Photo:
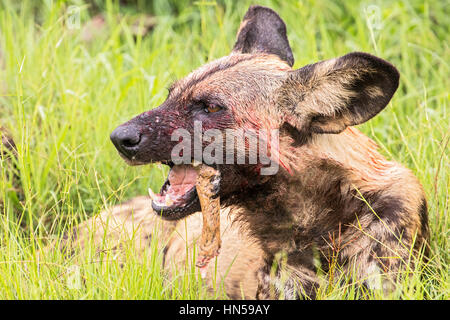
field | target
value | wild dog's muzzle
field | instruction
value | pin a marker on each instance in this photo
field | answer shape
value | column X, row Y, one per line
column 146, row 139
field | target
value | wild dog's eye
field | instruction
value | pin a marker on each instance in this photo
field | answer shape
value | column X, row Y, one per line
column 212, row 108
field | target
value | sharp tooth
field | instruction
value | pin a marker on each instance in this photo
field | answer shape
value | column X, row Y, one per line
column 196, row 163
column 152, row 194
column 168, row 201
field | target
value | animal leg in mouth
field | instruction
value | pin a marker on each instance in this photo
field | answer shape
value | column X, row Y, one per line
column 207, row 186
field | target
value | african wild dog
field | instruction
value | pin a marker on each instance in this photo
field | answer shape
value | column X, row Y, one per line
column 333, row 192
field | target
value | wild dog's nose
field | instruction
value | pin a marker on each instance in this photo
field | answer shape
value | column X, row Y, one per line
column 126, row 139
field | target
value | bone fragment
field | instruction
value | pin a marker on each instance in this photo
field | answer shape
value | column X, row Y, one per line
column 207, row 186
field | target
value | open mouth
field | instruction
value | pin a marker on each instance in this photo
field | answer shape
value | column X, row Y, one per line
column 178, row 196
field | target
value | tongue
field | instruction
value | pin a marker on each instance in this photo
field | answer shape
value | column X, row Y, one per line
column 182, row 178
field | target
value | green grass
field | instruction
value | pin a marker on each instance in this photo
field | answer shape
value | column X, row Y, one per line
column 61, row 97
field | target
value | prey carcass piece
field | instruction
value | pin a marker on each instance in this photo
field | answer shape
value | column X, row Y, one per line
column 207, row 186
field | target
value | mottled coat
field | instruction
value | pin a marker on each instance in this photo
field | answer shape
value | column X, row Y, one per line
column 334, row 193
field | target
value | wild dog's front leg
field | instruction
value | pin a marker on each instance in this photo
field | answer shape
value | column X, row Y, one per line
column 376, row 253
column 280, row 279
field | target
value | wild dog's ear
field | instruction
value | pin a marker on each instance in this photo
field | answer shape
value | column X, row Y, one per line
column 262, row 30
column 328, row 96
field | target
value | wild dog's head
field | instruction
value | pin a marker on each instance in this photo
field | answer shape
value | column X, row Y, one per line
column 255, row 89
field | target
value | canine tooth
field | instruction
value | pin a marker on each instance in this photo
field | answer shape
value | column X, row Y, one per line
column 168, row 201
column 152, row 194
column 196, row 163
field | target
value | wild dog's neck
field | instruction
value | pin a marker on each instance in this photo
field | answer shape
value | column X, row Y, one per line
column 326, row 167
column 324, row 174
column 331, row 165
column 349, row 157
